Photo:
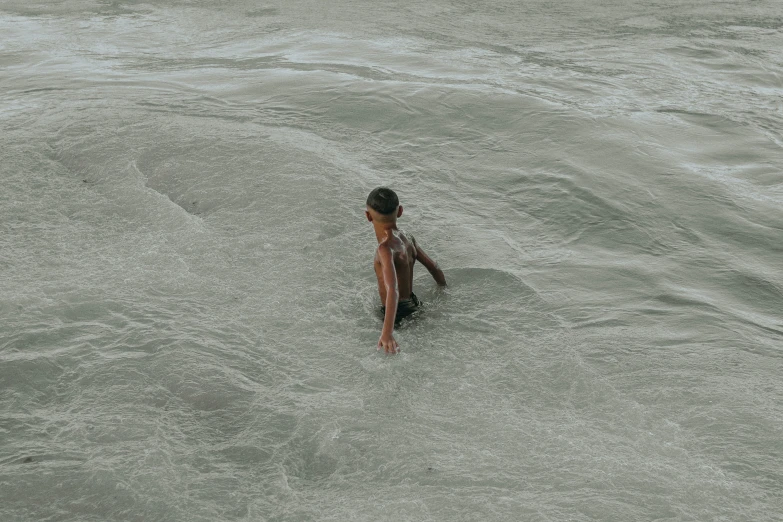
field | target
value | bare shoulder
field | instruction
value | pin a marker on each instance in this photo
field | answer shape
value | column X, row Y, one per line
column 409, row 243
column 384, row 251
column 407, row 238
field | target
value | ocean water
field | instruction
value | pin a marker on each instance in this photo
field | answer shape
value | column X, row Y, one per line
column 188, row 312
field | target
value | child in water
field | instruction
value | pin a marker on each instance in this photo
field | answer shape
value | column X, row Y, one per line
column 394, row 261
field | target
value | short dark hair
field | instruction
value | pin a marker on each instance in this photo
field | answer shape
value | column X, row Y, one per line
column 383, row 200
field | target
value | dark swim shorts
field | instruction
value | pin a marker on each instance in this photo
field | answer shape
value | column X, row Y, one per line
column 405, row 307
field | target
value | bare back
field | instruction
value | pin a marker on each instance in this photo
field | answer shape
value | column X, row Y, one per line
column 404, row 255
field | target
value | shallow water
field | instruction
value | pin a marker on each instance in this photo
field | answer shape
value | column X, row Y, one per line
column 188, row 310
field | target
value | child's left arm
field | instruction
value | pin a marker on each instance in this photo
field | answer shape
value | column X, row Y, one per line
column 386, row 258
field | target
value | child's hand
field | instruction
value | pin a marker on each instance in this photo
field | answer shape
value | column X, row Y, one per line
column 388, row 344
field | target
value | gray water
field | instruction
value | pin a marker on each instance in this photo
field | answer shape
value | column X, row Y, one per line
column 188, row 313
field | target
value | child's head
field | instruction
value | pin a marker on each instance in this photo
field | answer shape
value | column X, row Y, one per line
column 383, row 205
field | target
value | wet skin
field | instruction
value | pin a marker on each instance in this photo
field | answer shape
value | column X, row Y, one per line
column 394, row 261
column 403, row 257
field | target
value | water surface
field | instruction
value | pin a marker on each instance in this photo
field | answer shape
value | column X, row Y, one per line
column 188, row 309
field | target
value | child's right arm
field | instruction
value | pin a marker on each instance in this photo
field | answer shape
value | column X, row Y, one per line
column 430, row 264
